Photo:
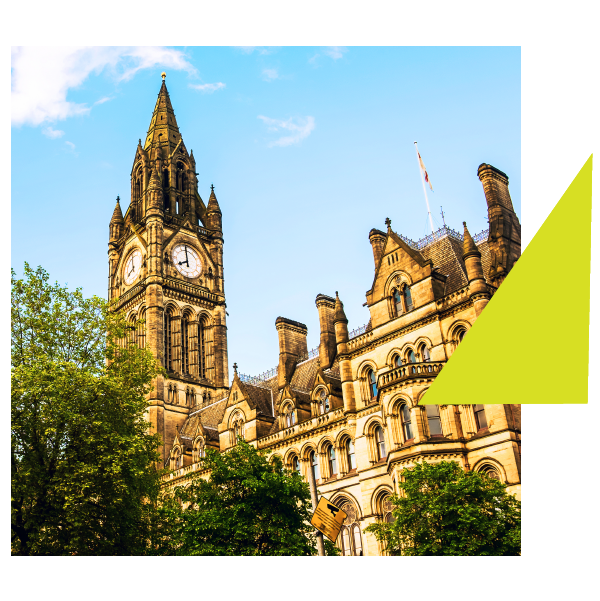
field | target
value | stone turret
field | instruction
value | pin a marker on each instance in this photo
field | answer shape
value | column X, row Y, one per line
column 116, row 223
column 213, row 212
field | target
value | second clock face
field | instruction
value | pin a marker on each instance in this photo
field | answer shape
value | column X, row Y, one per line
column 187, row 261
column 132, row 267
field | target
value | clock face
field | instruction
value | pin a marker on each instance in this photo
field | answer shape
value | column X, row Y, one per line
column 132, row 267
column 187, row 261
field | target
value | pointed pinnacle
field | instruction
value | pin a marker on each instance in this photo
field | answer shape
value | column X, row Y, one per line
column 469, row 246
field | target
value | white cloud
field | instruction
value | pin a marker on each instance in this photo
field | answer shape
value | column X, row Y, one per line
column 259, row 49
column 270, row 74
column 103, row 100
column 300, row 128
column 71, row 147
column 52, row 133
column 335, row 52
column 208, row 88
column 42, row 76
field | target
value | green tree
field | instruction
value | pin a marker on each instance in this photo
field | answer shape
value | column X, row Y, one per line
column 247, row 506
column 83, row 470
column 443, row 510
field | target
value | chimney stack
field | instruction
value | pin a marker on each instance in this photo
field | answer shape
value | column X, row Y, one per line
column 327, row 346
column 504, row 240
column 377, row 240
column 292, row 346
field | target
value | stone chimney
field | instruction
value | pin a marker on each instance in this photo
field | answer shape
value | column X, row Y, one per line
column 327, row 345
column 292, row 346
column 504, row 239
column 377, row 239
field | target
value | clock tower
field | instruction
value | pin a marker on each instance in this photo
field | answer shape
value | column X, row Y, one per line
column 165, row 261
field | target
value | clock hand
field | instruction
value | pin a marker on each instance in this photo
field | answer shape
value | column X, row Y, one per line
column 186, row 256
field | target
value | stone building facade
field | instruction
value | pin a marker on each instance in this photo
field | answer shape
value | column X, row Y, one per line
column 349, row 410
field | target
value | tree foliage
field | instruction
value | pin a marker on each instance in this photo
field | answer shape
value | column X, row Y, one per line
column 82, row 460
column 247, row 506
column 443, row 510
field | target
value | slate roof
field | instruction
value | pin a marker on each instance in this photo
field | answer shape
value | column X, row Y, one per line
column 258, row 397
column 210, row 417
column 446, row 255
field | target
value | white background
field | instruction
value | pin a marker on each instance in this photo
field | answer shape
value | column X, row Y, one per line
column 560, row 450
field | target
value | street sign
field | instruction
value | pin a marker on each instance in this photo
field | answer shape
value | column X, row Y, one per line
column 328, row 519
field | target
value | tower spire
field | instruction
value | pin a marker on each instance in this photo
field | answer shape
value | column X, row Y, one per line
column 163, row 132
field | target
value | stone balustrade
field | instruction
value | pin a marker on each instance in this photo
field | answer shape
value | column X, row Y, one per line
column 428, row 369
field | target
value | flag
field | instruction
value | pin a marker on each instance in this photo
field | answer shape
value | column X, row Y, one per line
column 424, row 170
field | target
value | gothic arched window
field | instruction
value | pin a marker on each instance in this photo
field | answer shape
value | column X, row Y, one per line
column 168, row 340
column 433, row 420
column 350, row 539
column 314, row 465
column 397, row 361
column 350, row 455
column 372, row 383
column 141, row 329
column 201, row 349
column 332, row 461
column 289, row 416
column 237, row 429
column 185, row 344
column 406, row 423
column 397, row 303
column 323, row 402
column 380, row 442
column 425, row 353
column 407, row 298
column 199, row 449
column 411, row 356
column 296, row 464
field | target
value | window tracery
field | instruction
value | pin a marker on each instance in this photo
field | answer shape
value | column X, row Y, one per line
column 289, row 417
column 237, row 429
column 199, row 449
column 324, row 403
column 350, row 540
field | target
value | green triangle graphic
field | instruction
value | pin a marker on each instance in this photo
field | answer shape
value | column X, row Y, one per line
column 515, row 352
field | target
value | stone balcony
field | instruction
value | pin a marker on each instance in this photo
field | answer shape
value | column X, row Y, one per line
column 410, row 371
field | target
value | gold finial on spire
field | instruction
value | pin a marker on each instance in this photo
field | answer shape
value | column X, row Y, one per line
column 163, row 75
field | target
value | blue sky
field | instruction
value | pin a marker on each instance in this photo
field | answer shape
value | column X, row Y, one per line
column 308, row 148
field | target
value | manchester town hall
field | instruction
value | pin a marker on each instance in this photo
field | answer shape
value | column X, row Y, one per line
column 348, row 410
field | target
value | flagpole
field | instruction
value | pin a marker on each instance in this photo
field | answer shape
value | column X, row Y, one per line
column 424, row 189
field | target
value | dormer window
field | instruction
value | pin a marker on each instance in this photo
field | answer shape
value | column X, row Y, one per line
column 323, row 402
column 397, row 303
column 407, row 298
column 289, row 417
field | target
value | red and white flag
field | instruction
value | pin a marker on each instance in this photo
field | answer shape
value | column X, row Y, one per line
column 424, row 170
